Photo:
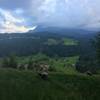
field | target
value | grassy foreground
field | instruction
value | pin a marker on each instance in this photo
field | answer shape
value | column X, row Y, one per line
column 25, row 85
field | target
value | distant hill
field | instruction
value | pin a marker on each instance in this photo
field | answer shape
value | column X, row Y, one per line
column 60, row 30
column 38, row 40
column 68, row 32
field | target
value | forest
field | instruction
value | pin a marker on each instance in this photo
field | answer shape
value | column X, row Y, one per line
column 50, row 48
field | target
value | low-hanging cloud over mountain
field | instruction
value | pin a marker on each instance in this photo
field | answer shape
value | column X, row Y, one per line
column 21, row 15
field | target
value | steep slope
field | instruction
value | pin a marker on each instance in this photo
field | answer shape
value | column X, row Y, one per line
column 25, row 85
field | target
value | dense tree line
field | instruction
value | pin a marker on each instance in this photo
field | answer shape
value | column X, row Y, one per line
column 87, row 64
column 28, row 44
column 9, row 62
column 90, row 62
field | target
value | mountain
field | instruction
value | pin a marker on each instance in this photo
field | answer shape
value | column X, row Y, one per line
column 41, row 28
column 78, row 34
column 68, row 32
column 36, row 41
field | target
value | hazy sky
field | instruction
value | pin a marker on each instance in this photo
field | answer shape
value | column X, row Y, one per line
column 23, row 15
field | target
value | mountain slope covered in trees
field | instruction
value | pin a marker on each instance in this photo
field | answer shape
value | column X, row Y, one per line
column 52, row 44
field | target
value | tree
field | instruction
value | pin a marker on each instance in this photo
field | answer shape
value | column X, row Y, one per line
column 86, row 64
column 97, row 42
column 30, row 63
column 5, row 63
column 12, row 63
column 9, row 62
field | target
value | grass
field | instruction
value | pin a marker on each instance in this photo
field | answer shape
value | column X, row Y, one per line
column 26, row 85
column 63, row 41
column 68, row 42
column 60, row 64
column 65, row 65
column 52, row 41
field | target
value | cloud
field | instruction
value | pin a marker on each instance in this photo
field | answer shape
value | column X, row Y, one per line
column 13, row 4
column 67, row 13
column 59, row 13
column 9, row 27
column 7, row 16
column 12, row 24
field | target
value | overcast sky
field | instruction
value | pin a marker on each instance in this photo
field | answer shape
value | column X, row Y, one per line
column 23, row 15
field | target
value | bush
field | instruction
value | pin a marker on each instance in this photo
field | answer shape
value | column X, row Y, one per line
column 86, row 64
column 30, row 63
column 5, row 63
column 52, row 69
column 10, row 62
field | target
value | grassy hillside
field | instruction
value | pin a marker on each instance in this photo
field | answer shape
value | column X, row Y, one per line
column 62, row 41
column 57, row 64
column 26, row 85
column 70, row 41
